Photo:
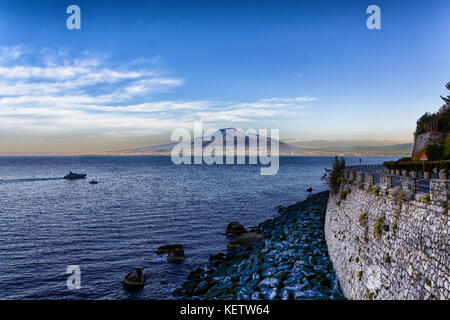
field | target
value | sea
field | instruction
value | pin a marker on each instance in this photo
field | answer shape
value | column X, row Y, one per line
column 140, row 203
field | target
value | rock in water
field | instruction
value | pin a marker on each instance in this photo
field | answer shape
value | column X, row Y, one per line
column 309, row 189
column 235, row 227
column 245, row 239
column 174, row 251
column 134, row 281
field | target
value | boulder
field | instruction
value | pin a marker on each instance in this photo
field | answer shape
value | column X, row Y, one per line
column 309, row 189
column 196, row 274
column 134, row 281
column 245, row 239
column 235, row 227
column 174, row 251
column 215, row 257
column 269, row 283
column 176, row 256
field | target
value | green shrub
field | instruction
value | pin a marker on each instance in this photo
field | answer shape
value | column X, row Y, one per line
column 442, row 116
column 434, row 152
column 378, row 228
column 446, row 154
column 387, row 258
column 426, row 198
column 334, row 176
column 360, row 274
column 363, row 219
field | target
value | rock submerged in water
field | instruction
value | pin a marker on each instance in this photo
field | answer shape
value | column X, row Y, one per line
column 134, row 281
column 235, row 227
column 245, row 239
column 175, row 252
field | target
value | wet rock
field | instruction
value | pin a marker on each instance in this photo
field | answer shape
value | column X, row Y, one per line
column 174, row 251
column 269, row 293
column 309, row 189
column 256, row 295
column 235, row 227
column 269, row 282
column 176, row 256
column 134, row 281
column 245, row 239
column 245, row 293
column 169, row 248
column 203, row 287
column 309, row 295
column 196, row 274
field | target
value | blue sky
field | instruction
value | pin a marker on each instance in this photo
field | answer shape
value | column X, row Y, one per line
column 137, row 70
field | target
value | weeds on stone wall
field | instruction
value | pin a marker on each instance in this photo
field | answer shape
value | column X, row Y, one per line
column 378, row 228
column 363, row 219
column 426, row 198
column 333, row 177
column 375, row 190
column 398, row 210
column 360, row 275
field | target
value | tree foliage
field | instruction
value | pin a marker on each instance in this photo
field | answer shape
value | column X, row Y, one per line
column 333, row 177
column 443, row 117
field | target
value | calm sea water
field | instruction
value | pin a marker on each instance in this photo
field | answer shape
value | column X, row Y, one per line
column 141, row 202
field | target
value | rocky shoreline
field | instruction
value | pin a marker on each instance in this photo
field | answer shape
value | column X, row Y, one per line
column 288, row 261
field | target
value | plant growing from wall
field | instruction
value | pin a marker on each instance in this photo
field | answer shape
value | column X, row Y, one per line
column 426, row 198
column 378, row 228
column 363, row 219
column 398, row 210
column 360, row 275
column 333, row 177
column 373, row 190
column 387, row 258
column 344, row 194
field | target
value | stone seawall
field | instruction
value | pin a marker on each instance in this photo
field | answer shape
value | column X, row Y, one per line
column 384, row 245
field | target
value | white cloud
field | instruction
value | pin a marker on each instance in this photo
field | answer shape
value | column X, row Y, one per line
column 51, row 92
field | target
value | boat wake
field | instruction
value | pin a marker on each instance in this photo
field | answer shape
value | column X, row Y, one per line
column 28, row 180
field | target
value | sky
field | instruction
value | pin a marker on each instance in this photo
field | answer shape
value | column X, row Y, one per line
column 137, row 70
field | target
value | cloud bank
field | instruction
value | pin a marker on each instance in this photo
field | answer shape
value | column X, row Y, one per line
column 52, row 92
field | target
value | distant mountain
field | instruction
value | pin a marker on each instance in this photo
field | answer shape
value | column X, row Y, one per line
column 394, row 149
column 241, row 140
column 306, row 148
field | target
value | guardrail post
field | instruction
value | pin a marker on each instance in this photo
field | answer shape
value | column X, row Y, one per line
column 369, row 179
column 351, row 176
column 360, row 179
column 387, row 181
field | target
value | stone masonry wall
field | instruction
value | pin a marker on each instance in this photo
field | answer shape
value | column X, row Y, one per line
column 385, row 245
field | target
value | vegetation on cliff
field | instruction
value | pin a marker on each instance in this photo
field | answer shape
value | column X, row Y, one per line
column 442, row 117
column 333, row 177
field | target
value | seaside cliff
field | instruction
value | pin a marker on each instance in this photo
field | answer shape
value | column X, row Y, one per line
column 290, row 261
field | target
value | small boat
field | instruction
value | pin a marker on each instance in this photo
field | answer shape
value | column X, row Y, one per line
column 93, row 181
column 134, row 281
column 74, row 176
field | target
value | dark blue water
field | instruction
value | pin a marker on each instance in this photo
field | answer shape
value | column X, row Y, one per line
column 141, row 202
